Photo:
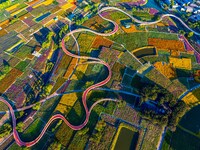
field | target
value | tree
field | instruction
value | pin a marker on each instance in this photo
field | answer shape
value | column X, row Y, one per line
column 190, row 34
column 47, row 89
column 37, row 106
column 55, row 146
column 19, row 114
column 5, row 130
column 100, row 125
column 121, row 103
column 20, row 126
column 83, row 131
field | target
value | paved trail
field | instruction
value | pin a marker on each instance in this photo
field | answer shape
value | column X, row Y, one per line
column 85, row 93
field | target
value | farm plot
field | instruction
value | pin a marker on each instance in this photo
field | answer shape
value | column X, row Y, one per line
column 85, row 41
column 8, row 41
column 182, row 63
column 176, row 88
column 22, row 65
column 167, row 69
column 154, row 76
column 9, row 79
column 128, row 60
column 192, row 98
column 128, row 114
column 101, row 41
column 23, row 52
column 167, row 44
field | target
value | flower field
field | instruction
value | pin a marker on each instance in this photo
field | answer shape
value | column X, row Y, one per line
column 101, row 41
column 9, row 79
column 182, row 63
column 70, row 68
column 177, row 88
column 68, row 99
column 167, row 44
column 154, row 76
column 109, row 55
column 192, row 98
column 85, row 41
column 167, row 69
column 128, row 114
column 152, row 135
column 64, row 63
column 128, row 60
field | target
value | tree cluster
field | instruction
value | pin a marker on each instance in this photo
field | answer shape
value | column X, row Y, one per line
column 173, row 109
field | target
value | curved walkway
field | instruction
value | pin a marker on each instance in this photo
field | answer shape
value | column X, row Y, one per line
column 84, row 96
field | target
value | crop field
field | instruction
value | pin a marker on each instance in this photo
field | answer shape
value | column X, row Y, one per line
column 156, row 77
column 152, row 135
column 5, row 41
column 69, row 99
column 59, row 83
column 184, row 63
column 85, row 41
column 145, row 51
column 192, row 98
column 166, row 44
column 129, row 60
column 117, row 15
column 176, row 88
column 33, row 130
column 9, row 79
column 63, row 64
column 22, row 65
column 16, row 89
column 39, row 10
column 190, row 56
column 101, row 41
column 167, row 69
column 154, row 59
column 23, row 52
column 143, row 15
column 13, row 61
column 106, row 139
column 140, row 39
column 128, row 114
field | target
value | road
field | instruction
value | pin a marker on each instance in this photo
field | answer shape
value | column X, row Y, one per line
column 85, row 93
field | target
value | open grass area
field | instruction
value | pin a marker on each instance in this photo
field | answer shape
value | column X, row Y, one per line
column 191, row 120
column 33, row 130
column 180, row 140
column 22, row 65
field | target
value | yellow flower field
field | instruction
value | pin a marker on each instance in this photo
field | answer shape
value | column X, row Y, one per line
column 68, row 99
column 12, row 7
column 183, row 63
column 190, row 99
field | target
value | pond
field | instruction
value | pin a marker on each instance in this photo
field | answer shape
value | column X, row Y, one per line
column 127, row 139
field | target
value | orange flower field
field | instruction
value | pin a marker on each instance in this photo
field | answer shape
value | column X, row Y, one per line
column 166, row 69
column 166, row 44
